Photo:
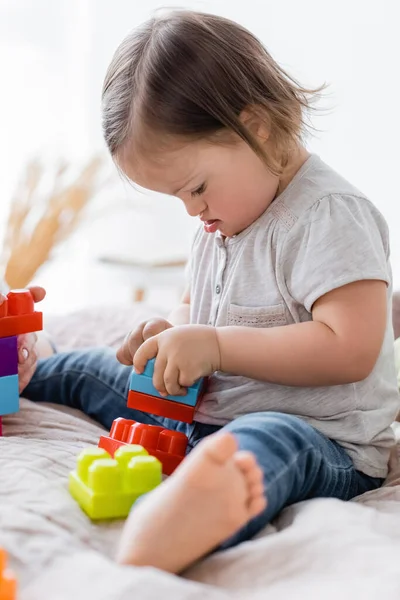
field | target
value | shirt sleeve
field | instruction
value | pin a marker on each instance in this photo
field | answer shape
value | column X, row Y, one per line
column 340, row 240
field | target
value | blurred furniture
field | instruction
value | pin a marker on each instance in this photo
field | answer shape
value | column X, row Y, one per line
column 145, row 276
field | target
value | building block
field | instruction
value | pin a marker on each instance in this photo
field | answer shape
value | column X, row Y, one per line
column 169, row 447
column 8, row 584
column 106, row 488
column 160, row 406
column 9, row 394
column 18, row 315
column 8, row 356
column 143, row 383
column 1, row 426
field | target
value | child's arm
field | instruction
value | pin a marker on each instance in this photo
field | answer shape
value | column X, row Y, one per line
column 341, row 344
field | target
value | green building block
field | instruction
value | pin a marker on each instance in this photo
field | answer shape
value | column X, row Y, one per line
column 106, row 488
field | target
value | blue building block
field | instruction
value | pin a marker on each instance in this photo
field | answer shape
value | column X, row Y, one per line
column 144, row 383
column 9, row 394
column 8, row 356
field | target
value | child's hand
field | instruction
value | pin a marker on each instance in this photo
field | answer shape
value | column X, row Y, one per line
column 27, row 356
column 27, row 359
column 184, row 354
column 136, row 337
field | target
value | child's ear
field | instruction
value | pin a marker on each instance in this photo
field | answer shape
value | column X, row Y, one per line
column 257, row 122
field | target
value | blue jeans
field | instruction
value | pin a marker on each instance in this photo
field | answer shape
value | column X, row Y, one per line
column 297, row 460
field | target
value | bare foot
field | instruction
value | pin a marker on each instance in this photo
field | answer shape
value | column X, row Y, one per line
column 212, row 494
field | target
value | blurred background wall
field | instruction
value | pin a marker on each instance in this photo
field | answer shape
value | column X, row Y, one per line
column 53, row 57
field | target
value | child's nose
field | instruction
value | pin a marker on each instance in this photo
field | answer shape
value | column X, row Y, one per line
column 195, row 207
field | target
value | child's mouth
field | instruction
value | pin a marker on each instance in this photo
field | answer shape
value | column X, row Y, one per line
column 211, row 226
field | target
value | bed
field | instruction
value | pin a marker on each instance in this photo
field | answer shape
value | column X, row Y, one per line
column 322, row 548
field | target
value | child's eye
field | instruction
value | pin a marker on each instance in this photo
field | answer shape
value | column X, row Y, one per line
column 200, row 190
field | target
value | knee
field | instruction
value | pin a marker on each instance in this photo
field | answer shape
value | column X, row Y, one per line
column 277, row 429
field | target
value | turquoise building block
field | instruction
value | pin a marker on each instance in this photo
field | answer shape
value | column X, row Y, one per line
column 9, row 394
column 144, row 383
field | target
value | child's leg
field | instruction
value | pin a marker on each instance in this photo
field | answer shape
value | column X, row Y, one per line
column 298, row 463
column 93, row 381
column 215, row 499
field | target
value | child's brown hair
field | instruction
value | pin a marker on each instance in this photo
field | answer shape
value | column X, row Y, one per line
column 191, row 75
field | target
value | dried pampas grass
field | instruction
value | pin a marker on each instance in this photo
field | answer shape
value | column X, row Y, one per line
column 40, row 219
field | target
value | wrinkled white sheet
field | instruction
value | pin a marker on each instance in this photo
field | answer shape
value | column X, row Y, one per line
column 322, row 549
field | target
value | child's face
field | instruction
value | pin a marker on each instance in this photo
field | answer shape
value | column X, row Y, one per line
column 227, row 187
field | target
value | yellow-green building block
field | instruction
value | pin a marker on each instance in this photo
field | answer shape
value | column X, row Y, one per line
column 106, row 488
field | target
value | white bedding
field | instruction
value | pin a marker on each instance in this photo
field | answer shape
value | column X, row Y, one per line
column 317, row 549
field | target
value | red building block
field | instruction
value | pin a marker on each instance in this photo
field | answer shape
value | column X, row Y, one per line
column 1, row 427
column 8, row 584
column 17, row 314
column 161, row 407
column 168, row 446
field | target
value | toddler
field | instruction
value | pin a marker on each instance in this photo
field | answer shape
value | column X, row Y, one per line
column 288, row 307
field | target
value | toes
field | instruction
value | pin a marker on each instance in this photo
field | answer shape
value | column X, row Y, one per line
column 255, row 476
column 256, row 489
column 246, row 461
column 256, row 506
column 220, row 447
column 247, row 464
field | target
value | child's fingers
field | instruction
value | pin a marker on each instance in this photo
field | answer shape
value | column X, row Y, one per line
column 186, row 379
column 123, row 354
column 154, row 327
column 146, row 351
column 38, row 293
column 25, row 377
column 171, row 380
column 22, row 341
column 26, row 344
column 29, row 361
column 158, row 375
column 27, row 368
column 130, row 345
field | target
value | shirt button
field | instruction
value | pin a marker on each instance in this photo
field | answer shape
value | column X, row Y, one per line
column 218, row 289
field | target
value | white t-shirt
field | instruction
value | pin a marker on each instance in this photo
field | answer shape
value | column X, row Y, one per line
column 319, row 234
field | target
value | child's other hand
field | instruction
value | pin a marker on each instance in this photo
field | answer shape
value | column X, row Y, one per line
column 184, row 354
column 38, row 293
column 27, row 359
column 27, row 356
column 136, row 337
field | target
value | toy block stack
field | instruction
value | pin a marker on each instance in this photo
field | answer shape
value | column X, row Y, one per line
column 17, row 316
column 106, row 488
column 168, row 446
column 8, row 584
